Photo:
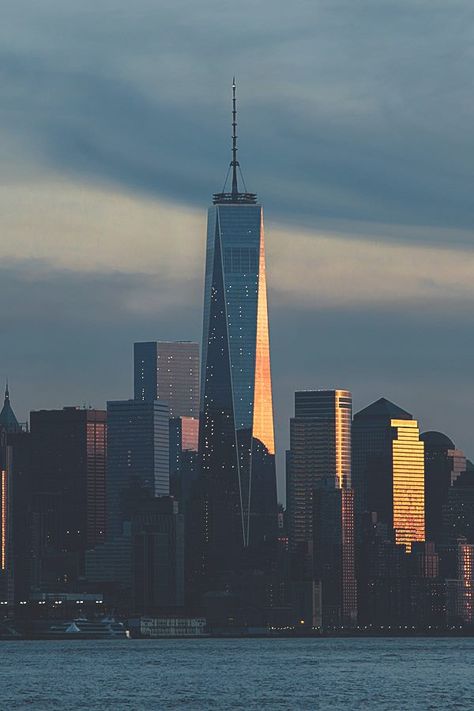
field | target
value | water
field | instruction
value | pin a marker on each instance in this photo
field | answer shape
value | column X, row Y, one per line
column 249, row 674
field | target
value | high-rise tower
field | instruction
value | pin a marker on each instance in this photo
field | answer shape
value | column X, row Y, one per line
column 320, row 447
column 320, row 503
column 388, row 470
column 237, row 448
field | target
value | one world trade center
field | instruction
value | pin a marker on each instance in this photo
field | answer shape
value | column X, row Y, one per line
column 237, row 445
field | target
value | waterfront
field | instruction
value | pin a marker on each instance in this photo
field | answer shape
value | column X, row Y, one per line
column 336, row 674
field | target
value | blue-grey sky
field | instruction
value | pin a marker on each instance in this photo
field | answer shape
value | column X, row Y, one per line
column 355, row 129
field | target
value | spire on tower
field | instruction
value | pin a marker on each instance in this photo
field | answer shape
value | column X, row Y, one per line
column 234, row 196
column 234, row 162
column 8, row 420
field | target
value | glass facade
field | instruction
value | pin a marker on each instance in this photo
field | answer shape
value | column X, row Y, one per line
column 137, row 458
column 408, row 482
column 389, row 470
column 444, row 465
column 320, row 501
column 320, row 448
column 168, row 371
column 236, row 437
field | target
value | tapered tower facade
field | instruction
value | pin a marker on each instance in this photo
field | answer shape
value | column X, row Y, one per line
column 237, row 446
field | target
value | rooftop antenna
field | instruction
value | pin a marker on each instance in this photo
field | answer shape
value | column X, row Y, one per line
column 235, row 163
column 234, row 196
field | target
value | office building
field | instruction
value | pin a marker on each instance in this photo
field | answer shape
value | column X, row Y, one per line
column 457, row 567
column 168, row 371
column 158, row 556
column 443, row 465
column 458, row 511
column 183, row 448
column 320, row 447
column 68, row 454
column 137, row 458
column 237, row 447
column 333, row 554
column 320, row 511
column 388, row 470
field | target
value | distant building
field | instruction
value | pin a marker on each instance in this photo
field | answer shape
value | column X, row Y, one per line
column 320, row 447
column 138, row 458
column 15, row 506
column 334, row 563
column 457, row 567
column 109, row 567
column 8, row 421
column 158, row 556
column 168, row 371
column 443, row 465
column 68, row 453
column 388, row 469
column 320, row 511
column 184, row 432
column 458, row 510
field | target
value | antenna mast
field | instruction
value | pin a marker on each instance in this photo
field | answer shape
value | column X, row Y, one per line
column 235, row 163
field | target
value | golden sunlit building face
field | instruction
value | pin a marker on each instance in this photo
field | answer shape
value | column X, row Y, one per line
column 408, row 477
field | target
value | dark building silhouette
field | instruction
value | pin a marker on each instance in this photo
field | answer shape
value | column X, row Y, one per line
column 158, row 556
column 168, row 371
column 458, row 510
column 15, row 507
column 137, row 458
column 443, row 465
column 382, row 576
column 183, row 449
column 457, row 569
column 237, row 451
column 68, row 457
column 334, row 564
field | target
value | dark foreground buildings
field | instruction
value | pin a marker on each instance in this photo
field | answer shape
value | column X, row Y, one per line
column 443, row 466
column 68, row 460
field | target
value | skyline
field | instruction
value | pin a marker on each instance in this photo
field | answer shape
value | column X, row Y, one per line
column 365, row 182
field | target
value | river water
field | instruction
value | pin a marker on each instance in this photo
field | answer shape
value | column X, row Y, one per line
column 222, row 674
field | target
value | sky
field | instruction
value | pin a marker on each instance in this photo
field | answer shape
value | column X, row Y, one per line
column 355, row 129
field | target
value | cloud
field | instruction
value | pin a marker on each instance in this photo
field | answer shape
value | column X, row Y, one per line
column 321, row 271
column 353, row 112
column 82, row 228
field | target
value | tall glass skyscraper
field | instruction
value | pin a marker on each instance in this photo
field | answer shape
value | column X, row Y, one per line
column 320, row 448
column 237, row 447
column 320, row 510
